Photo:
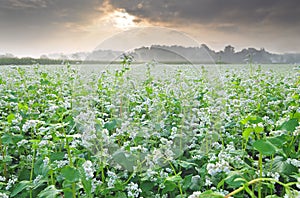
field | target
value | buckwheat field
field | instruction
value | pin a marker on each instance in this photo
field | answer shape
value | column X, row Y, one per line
column 224, row 131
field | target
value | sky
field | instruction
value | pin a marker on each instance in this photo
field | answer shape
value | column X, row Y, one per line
column 37, row 27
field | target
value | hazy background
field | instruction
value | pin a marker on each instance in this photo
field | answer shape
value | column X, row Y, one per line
column 36, row 27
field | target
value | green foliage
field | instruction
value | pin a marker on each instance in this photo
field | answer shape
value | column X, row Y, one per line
column 30, row 61
column 264, row 147
column 148, row 137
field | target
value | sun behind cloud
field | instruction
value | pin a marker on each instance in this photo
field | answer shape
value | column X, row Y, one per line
column 122, row 20
column 119, row 17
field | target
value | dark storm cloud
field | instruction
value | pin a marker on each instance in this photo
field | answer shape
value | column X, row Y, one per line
column 45, row 14
column 275, row 12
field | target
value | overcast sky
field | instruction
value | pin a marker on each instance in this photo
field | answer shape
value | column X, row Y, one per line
column 36, row 27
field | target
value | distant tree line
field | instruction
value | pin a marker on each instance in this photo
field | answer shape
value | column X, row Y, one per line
column 31, row 61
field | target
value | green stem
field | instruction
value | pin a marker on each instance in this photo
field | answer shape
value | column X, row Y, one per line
column 260, row 174
column 70, row 161
column 52, row 177
column 139, row 166
column 102, row 173
column 32, row 168
column 2, row 148
column 286, row 186
column 178, row 184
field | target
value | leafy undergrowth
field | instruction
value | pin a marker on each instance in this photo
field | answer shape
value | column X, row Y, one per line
column 113, row 136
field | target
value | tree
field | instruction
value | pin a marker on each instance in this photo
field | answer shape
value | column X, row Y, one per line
column 229, row 49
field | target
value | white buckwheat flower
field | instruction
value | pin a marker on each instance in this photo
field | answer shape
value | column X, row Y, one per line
column 133, row 190
column 88, row 169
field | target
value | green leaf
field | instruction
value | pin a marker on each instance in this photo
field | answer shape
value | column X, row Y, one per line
column 250, row 192
column 7, row 139
column 120, row 195
column 221, row 183
column 24, row 174
column 22, row 106
column 187, row 181
column 278, row 141
column 297, row 115
column 290, row 125
column 39, row 168
column 68, row 192
column 149, row 90
column 169, row 187
column 251, row 119
column 234, row 180
column 70, row 174
column 125, row 159
column 10, row 118
column 186, row 164
column 87, row 185
column 20, row 187
column 264, row 147
column 280, row 165
column 246, row 133
column 174, row 178
column 258, row 129
column 57, row 156
column 49, row 192
column 40, row 183
column 210, row 194
column 112, row 124
column 147, row 186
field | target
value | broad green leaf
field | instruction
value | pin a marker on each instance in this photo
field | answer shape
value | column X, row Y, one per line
column 264, row 147
column 22, row 106
column 280, row 165
column 186, row 164
column 57, row 156
column 49, row 192
column 290, row 125
column 256, row 120
column 258, row 129
column 147, row 186
column 251, row 119
column 70, row 173
column 10, row 118
column 39, row 168
column 120, row 195
column 174, row 178
column 87, row 185
column 246, row 133
column 187, row 181
column 126, row 160
column 278, row 141
column 169, row 187
column 234, row 180
column 40, row 183
column 7, row 139
column 20, row 187
column 68, row 192
column 297, row 115
column 210, row 194
column 24, row 174
column 112, row 124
